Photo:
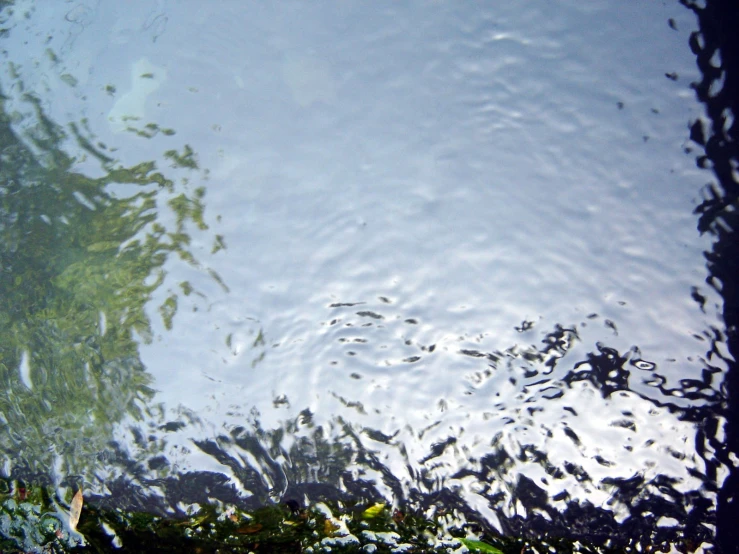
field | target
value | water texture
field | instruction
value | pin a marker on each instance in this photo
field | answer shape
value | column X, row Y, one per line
column 441, row 254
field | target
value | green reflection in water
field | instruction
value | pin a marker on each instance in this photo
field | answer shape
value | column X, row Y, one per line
column 78, row 264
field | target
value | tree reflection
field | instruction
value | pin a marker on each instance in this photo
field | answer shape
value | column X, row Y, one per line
column 717, row 139
column 591, row 446
column 79, row 260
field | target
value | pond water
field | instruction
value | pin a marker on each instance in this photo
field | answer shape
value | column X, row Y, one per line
column 440, row 253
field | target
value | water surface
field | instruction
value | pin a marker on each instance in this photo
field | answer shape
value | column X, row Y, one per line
column 440, row 254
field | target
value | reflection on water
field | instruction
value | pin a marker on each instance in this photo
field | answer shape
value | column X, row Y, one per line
column 538, row 443
column 716, row 137
column 368, row 346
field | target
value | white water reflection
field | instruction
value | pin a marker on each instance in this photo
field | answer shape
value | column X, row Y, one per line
column 452, row 171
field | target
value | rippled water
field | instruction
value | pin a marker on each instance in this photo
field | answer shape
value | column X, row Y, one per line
column 448, row 256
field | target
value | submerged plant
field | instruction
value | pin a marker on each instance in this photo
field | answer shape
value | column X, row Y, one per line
column 36, row 520
column 80, row 257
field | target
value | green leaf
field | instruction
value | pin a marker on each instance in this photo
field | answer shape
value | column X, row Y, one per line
column 102, row 246
column 479, row 546
column 373, row 511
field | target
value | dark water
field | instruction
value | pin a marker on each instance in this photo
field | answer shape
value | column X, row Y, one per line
column 443, row 257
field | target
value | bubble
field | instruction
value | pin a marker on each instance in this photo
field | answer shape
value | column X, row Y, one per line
column 644, row 365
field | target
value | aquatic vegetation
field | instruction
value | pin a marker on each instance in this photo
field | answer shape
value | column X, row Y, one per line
column 80, row 257
column 35, row 519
